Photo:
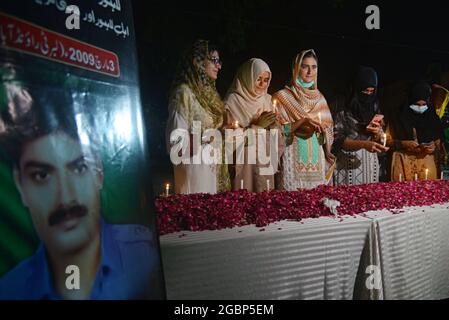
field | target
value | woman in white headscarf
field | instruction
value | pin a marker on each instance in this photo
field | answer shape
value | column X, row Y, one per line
column 249, row 106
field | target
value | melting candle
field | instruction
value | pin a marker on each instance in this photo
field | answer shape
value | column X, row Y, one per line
column 167, row 189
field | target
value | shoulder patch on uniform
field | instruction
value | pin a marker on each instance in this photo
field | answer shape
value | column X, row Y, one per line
column 132, row 232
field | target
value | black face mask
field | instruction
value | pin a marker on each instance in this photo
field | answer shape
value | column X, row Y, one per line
column 362, row 107
column 367, row 98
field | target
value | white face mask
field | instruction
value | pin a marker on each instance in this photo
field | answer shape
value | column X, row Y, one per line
column 419, row 109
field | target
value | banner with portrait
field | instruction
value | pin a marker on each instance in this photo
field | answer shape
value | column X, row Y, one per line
column 76, row 212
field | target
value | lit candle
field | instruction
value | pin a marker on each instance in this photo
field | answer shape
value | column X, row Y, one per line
column 319, row 117
column 275, row 105
column 427, row 173
column 400, row 177
column 236, row 124
column 167, row 189
column 241, row 184
column 416, row 177
column 385, row 140
column 442, row 175
column 268, row 185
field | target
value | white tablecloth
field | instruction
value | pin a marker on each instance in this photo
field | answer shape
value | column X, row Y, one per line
column 413, row 251
column 315, row 259
column 322, row 258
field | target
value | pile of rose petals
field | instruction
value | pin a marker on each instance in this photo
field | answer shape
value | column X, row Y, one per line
column 198, row 212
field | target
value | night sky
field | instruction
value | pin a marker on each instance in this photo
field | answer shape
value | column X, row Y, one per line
column 412, row 44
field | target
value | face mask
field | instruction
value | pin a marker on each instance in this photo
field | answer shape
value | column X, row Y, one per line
column 367, row 98
column 303, row 84
column 419, row 109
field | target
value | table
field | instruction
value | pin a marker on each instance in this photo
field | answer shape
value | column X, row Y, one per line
column 323, row 258
column 312, row 259
column 412, row 250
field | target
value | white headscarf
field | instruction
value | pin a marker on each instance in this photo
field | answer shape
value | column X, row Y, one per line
column 242, row 101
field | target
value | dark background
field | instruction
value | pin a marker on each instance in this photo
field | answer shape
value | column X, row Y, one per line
column 412, row 44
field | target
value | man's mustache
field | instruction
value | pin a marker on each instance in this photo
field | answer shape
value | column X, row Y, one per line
column 63, row 213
